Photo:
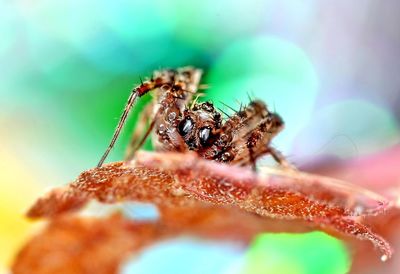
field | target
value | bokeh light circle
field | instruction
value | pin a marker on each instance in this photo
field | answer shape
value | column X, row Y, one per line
column 196, row 20
column 273, row 70
column 186, row 255
column 348, row 128
column 284, row 253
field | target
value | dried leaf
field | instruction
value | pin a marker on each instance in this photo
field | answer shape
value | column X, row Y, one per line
column 173, row 179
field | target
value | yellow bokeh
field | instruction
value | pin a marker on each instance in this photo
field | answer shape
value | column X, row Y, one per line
column 18, row 190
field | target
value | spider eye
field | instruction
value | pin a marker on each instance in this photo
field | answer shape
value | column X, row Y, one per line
column 185, row 126
column 204, row 135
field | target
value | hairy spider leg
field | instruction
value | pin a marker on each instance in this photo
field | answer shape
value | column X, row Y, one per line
column 141, row 132
column 243, row 121
column 257, row 126
column 239, row 127
column 258, row 140
column 187, row 79
column 279, row 157
column 233, row 129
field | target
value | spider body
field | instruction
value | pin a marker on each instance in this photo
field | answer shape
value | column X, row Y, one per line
column 180, row 124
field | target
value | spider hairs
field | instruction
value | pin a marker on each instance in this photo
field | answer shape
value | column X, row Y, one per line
column 239, row 139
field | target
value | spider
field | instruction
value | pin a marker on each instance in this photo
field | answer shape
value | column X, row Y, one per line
column 241, row 139
column 201, row 159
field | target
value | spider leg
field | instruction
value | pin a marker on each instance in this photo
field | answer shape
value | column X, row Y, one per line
column 240, row 123
column 141, row 133
column 252, row 130
column 261, row 134
column 186, row 79
column 235, row 128
column 280, row 158
column 276, row 155
column 252, row 159
column 258, row 144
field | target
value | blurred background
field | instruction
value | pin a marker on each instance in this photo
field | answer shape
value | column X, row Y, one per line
column 330, row 68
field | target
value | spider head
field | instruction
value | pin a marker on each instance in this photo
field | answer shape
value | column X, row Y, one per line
column 199, row 125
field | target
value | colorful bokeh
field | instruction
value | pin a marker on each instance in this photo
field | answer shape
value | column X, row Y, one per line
column 329, row 68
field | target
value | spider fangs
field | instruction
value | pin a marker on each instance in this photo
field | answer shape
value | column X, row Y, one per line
column 240, row 139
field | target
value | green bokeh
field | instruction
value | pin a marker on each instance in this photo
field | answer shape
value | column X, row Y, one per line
column 309, row 253
column 350, row 128
column 210, row 25
column 372, row 126
column 271, row 69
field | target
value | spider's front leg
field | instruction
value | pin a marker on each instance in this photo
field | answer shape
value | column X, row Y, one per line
column 279, row 158
column 250, row 132
column 179, row 84
column 258, row 140
column 144, row 126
